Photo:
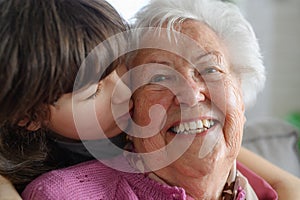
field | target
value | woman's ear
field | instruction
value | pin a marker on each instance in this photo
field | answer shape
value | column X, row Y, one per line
column 29, row 125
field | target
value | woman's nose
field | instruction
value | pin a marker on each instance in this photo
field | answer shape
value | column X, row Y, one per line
column 190, row 93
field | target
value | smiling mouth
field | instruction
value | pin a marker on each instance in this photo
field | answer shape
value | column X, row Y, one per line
column 193, row 127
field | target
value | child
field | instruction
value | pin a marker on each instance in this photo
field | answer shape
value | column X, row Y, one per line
column 43, row 45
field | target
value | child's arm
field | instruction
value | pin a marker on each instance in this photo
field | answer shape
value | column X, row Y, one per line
column 286, row 185
column 7, row 190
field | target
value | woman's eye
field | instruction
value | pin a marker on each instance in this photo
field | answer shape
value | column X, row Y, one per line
column 209, row 70
column 211, row 74
column 158, row 78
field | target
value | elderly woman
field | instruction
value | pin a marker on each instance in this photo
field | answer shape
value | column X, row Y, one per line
column 192, row 75
column 199, row 71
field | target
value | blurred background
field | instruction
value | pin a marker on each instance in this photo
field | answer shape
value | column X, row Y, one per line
column 276, row 23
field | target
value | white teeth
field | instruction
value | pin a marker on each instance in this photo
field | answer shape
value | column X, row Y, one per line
column 199, row 124
column 181, row 128
column 193, row 127
column 186, row 126
column 206, row 123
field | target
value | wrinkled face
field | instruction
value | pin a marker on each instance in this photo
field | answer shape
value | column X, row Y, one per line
column 80, row 114
column 200, row 114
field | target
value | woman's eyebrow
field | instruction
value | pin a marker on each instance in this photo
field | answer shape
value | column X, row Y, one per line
column 161, row 66
column 212, row 56
column 160, row 62
column 149, row 65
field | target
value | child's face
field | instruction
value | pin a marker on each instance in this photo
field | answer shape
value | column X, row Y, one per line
column 79, row 115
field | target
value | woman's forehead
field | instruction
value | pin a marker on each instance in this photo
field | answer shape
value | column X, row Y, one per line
column 171, row 59
column 195, row 40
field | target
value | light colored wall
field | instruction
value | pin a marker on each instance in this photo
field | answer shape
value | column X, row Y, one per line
column 127, row 8
column 277, row 25
column 286, row 76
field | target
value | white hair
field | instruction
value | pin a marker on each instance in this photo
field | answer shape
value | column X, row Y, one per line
column 227, row 22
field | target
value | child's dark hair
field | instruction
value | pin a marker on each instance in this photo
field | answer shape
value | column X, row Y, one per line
column 42, row 46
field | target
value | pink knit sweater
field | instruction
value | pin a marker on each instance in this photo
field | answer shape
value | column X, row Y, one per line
column 95, row 181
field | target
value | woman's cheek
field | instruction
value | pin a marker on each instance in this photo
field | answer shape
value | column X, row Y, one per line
column 234, row 116
column 147, row 101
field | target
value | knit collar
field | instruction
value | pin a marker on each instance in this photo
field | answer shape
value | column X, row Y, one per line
column 236, row 186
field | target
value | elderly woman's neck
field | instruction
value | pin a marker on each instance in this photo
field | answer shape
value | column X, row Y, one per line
column 203, row 186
